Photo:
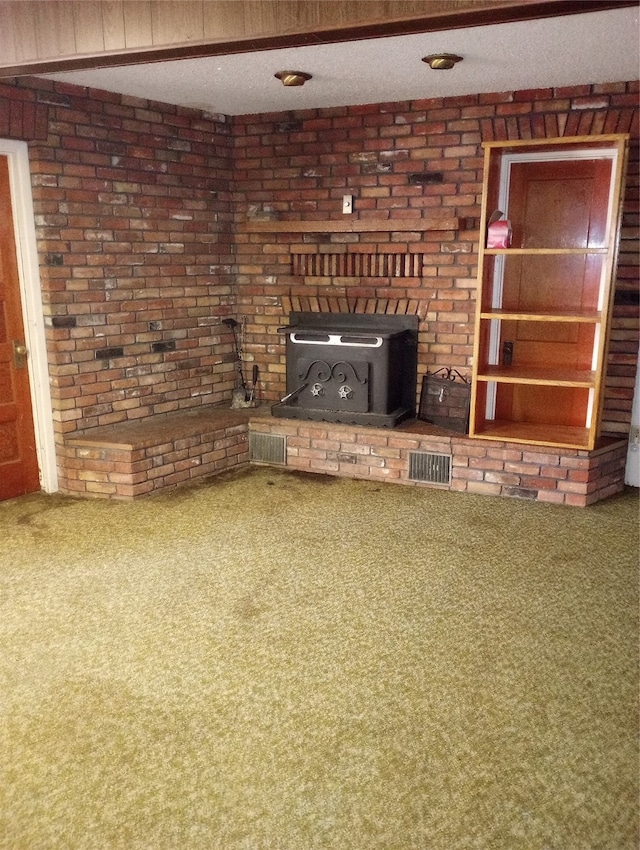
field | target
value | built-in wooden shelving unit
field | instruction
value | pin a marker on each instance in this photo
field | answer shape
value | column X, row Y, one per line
column 544, row 303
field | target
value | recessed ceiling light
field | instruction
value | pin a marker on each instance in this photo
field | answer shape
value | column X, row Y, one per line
column 293, row 78
column 441, row 61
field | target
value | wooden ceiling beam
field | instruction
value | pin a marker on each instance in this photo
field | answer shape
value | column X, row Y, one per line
column 41, row 36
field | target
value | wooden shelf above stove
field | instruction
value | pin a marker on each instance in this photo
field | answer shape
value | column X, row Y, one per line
column 355, row 225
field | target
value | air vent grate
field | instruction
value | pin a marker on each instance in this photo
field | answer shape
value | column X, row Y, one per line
column 267, row 448
column 431, row 468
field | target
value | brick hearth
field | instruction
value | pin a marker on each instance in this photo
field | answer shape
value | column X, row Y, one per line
column 136, row 459
column 492, row 468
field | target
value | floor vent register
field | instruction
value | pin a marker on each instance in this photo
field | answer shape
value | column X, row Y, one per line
column 430, row 468
column 267, row 448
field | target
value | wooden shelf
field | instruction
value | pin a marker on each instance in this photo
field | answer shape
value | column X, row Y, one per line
column 356, row 225
column 538, row 375
column 512, row 315
column 566, row 436
column 543, row 251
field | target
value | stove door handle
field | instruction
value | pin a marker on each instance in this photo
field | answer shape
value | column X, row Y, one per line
column 293, row 393
column 342, row 340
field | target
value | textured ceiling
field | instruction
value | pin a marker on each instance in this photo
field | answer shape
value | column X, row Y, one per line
column 594, row 47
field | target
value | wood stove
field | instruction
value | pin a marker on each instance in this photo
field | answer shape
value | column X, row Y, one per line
column 352, row 368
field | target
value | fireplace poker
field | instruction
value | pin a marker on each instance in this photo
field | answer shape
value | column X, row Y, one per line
column 254, row 381
column 233, row 324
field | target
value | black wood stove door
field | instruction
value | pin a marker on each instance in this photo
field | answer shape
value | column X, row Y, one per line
column 334, row 384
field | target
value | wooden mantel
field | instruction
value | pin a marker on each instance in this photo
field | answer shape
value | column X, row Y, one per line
column 366, row 225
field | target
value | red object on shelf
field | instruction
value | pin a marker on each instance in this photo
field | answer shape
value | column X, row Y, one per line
column 499, row 234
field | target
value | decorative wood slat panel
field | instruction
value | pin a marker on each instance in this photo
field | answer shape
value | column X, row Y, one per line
column 357, row 265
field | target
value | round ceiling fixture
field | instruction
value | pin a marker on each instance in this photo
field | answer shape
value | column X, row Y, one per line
column 292, row 78
column 441, row 61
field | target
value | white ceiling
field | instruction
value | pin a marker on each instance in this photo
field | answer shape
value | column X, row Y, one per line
column 593, row 47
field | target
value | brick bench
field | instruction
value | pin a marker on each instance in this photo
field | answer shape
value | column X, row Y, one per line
column 135, row 458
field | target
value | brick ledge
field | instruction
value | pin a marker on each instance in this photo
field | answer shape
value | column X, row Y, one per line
column 162, row 428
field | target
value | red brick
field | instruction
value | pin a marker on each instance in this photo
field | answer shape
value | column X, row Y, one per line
column 502, row 478
column 576, row 500
column 551, row 496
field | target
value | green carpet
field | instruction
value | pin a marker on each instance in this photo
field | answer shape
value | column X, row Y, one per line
column 270, row 661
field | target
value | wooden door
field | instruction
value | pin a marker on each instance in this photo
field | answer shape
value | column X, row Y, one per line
column 554, row 205
column 19, row 472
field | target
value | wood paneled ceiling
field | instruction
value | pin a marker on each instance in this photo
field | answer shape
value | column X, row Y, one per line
column 221, row 56
column 38, row 36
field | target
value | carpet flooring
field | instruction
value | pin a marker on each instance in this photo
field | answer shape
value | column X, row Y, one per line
column 272, row 661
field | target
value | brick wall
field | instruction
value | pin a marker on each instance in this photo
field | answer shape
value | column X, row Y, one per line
column 144, row 245
column 404, row 161
column 132, row 204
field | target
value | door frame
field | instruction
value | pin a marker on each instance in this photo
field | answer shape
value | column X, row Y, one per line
column 17, row 154
column 517, row 157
